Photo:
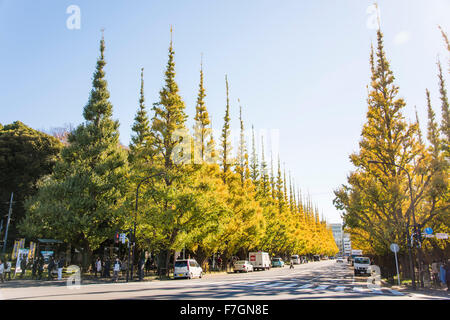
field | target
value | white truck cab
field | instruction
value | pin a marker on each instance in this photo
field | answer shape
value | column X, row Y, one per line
column 361, row 266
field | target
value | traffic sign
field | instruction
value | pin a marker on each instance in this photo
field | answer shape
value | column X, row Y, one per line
column 441, row 236
column 394, row 247
column 428, row 230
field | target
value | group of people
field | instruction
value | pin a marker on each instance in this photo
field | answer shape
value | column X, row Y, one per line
column 5, row 270
column 103, row 268
column 36, row 266
column 441, row 273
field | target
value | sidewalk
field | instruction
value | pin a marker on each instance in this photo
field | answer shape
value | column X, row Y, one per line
column 441, row 293
column 86, row 280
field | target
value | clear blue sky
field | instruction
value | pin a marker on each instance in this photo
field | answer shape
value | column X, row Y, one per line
column 299, row 67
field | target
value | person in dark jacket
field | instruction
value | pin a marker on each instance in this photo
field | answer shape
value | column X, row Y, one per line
column 50, row 267
column 141, row 266
column 447, row 274
column 147, row 266
column 33, row 268
column 23, row 266
column 60, row 267
column 107, row 268
column 40, row 267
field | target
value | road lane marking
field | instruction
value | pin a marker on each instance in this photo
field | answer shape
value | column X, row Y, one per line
column 272, row 285
column 339, row 288
column 359, row 289
column 308, row 285
column 377, row 290
column 321, row 287
column 282, row 285
column 394, row 292
column 252, row 284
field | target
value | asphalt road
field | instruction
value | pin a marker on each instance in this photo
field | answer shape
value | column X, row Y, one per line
column 315, row 280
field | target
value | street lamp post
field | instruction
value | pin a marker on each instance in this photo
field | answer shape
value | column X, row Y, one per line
column 411, row 261
column 134, row 228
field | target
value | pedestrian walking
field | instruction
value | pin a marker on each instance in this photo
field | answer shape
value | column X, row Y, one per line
column 107, row 268
column 147, row 266
column 141, row 266
column 435, row 272
column 442, row 273
column 23, row 266
column 60, row 266
column 116, row 269
column 7, row 272
column 98, row 267
column 33, row 268
column 40, row 267
column 447, row 274
column 2, row 270
column 124, row 268
column 51, row 265
column 291, row 266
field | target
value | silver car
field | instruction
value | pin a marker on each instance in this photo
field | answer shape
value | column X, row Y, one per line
column 243, row 266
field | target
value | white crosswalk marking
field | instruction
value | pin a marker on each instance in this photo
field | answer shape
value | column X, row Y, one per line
column 377, row 290
column 394, row 292
column 308, row 285
column 290, row 285
column 322, row 287
column 253, row 284
column 339, row 288
column 358, row 289
column 272, row 285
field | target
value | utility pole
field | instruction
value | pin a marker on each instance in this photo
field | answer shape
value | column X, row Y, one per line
column 7, row 223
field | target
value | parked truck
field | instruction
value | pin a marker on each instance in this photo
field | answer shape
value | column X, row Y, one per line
column 355, row 253
column 259, row 260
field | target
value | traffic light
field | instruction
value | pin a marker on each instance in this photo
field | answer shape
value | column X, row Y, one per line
column 419, row 236
column 116, row 238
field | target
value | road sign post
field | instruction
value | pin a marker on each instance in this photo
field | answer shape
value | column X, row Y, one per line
column 394, row 249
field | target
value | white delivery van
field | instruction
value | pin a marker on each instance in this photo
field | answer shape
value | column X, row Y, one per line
column 295, row 259
column 362, row 265
column 259, row 260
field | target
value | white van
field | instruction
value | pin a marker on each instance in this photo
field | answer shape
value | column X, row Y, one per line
column 259, row 260
column 188, row 268
column 362, row 265
column 295, row 259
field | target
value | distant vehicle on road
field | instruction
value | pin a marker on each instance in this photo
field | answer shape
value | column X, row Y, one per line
column 295, row 259
column 351, row 258
column 188, row 268
column 243, row 266
column 361, row 265
column 340, row 260
column 277, row 262
column 259, row 260
column 316, row 257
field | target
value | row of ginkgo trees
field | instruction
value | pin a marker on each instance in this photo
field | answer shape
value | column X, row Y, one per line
column 376, row 202
column 196, row 196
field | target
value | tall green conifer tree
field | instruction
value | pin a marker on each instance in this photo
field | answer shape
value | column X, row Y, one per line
column 83, row 201
column 141, row 128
